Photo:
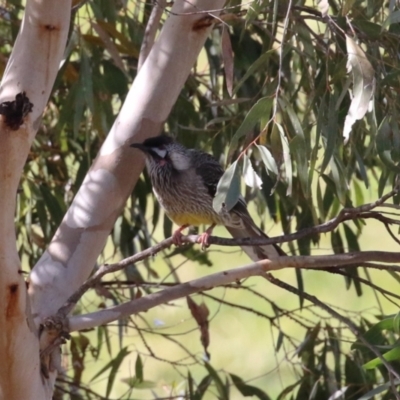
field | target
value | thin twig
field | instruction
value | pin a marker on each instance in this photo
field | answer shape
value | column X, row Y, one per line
column 108, row 268
column 151, row 31
column 385, row 293
column 353, row 328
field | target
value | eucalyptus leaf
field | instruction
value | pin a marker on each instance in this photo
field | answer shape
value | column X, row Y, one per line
column 228, row 189
column 392, row 18
column 268, row 159
column 379, row 389
column 391, row 355
column 250, row 121
column 250, row 176
column 286, row 159
column 248, row 390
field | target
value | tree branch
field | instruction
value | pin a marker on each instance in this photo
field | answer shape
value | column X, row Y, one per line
column 31, row 69
column 222, row 278
column 74, row 249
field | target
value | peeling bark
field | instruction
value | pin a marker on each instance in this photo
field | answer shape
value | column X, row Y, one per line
column 14, row 112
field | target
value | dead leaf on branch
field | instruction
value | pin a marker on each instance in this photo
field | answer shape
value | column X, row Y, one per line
column 363, row 85
column 323, row 6
column 200, row 313
column 227, row 55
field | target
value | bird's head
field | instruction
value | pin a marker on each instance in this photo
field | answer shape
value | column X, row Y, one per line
column 164, row 151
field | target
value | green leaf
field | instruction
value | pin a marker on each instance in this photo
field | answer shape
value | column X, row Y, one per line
column 279, row 342
column 52, row 204
column 202, row 388
column 299, row 149
column 361, row 167
column 167, row 226
column 135, row 383
column 248, row 390
column 78, row 105
column 260, row 62
column 396, row 323
column 221, row 388
column 139, row 368
column 113, row 366
column 385, row 145
column 374, row 334
column 334, row 343
column 286, row 107
column 351, row 238
column 308, row 344
column 228, row 189
column 392, row 18
column 391, row 355
column 371, row 30
column 372, row 393
column 268, row 159
column 288, row 390
column 330, row 133
column 300, row 286
column 190, row 385
column 252, row 118
column 356, row 379
column 286, row 159
column 339, row 179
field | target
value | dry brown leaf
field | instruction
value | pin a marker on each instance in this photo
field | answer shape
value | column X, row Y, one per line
column 363, row 85
column 227, row 56
column 200, row 313
column 323, row 6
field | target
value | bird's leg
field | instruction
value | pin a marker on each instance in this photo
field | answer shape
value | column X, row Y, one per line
column 177, row 235
column 203, row 238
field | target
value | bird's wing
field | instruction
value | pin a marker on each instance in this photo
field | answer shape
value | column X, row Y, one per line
column 211, row 171
column 208, row 168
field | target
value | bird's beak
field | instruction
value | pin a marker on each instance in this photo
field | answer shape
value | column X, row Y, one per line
column 140, row 146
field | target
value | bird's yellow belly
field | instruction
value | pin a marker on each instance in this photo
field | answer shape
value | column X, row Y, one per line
column 192, row 219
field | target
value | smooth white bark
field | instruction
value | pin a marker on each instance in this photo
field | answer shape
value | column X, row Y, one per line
column 208, row 282
column 81, row 236
column 32, row 68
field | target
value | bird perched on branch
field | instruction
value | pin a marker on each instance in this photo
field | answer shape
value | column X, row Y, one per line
column 185, row 182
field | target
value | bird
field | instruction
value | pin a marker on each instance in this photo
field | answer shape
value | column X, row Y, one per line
column 185, row 182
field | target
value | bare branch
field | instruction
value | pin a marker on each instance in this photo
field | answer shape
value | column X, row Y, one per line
column 109, row 268
column 363, row 211
column 222, row 278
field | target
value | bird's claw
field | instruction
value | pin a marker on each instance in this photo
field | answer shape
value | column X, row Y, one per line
column 203, row 240
column 177, row 238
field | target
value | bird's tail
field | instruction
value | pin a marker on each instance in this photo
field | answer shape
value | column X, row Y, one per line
column 256, row 253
